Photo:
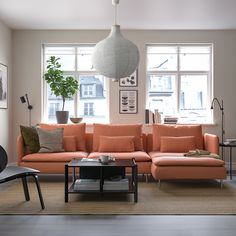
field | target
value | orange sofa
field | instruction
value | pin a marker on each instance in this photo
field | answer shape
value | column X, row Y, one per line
column 167, row 145
column 87, row 146
column 160, row 153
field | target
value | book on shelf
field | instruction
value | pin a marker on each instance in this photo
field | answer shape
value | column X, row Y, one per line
column 122, row 184
column 170, row 120
column 149, row 117
column 230, row 140
column 87, row 184
column 157, row 117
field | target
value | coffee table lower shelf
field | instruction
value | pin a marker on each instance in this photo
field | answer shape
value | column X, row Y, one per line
column 133, row 181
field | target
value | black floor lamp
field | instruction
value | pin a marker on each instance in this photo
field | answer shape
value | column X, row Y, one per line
column 25, row 99
column 222, row 116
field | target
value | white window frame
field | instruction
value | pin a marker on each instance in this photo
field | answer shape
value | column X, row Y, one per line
column 178, row 73
column 76, row 73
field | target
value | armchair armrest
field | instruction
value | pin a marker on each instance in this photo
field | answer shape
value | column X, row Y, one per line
column 19, row 148
column 211, row 143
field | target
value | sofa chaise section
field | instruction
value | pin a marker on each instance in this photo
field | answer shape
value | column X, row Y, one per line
column 172, row 164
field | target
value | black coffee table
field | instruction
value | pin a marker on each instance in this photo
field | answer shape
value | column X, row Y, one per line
column 101, row 171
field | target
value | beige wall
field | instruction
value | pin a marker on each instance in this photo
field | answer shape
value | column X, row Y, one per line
column 6, row 114
column 27, row 69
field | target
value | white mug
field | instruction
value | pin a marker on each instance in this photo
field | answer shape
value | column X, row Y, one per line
column 104, row 159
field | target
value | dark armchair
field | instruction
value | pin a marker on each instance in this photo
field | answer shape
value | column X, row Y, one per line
column 15, row 172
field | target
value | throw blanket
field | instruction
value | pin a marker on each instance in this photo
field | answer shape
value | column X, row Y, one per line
column 201, row 153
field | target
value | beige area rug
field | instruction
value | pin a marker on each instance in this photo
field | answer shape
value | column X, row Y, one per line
column 172, row 198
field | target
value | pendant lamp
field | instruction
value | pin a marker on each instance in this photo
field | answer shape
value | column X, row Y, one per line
column 115, row 57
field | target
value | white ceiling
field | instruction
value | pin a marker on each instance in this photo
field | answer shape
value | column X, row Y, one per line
column 132, row 14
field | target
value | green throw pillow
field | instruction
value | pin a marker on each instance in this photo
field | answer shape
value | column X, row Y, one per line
column 31, row 138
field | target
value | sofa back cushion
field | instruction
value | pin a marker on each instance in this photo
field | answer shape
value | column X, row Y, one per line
column 177, row 144
column 176, row 131
column 70, row 143
column 116, row 144
column 77, row 130
column 118, row 130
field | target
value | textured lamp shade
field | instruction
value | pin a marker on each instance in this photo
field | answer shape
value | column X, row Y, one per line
column 115, row 57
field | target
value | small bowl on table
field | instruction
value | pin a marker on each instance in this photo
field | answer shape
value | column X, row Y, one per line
column 76, row 120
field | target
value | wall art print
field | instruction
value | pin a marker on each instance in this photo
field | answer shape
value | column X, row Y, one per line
column 128, row 101
column 3, row 86
column 130, row 81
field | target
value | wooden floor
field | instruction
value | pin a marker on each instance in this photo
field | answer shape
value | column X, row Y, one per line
column 118, row 225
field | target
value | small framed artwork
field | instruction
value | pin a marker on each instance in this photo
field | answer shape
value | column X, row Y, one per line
column 128, row 101
column 3, row 86
column 130, row 81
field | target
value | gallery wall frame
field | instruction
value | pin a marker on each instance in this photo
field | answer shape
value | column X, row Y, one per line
column 130, row 81
column 3, row 86
column 128, row 100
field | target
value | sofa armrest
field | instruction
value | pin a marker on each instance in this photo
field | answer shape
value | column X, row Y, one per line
column 19, row 148
column 211, row 143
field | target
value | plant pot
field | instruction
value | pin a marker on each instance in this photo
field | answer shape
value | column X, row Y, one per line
column 62, row 117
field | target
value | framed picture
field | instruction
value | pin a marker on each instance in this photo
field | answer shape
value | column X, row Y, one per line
column 130, row 81
column 3, row 86
column 128, row 101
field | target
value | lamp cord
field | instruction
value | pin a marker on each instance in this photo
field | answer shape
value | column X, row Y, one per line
column 115, row 16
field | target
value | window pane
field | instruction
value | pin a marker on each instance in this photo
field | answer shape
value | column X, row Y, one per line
column 66, row 55
column 55, row 104
column 162, row 94
column 162, row 62
column 195, row 49
column 193, row 97
column 162, row 49
column 194, row 58
column 93, row 103
column 84, row 58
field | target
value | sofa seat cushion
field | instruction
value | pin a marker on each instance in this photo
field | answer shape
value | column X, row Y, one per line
column 54, row 157
column 186, row 161
column 138, row 156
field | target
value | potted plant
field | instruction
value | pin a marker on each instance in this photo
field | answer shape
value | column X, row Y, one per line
column 60, row 85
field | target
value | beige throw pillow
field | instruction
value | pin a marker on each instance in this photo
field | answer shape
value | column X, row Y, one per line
column 51, row 140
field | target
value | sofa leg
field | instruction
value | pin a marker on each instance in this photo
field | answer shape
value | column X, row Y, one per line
column 159, row 183
column 146, row 178
column 221, row 183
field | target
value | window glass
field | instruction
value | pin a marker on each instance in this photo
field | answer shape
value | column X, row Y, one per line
column 66, row 55
column 92, row 102
column 193, row 97
column 194, row 62
column 162, row 62
column 162, row 93
column 84, row 58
